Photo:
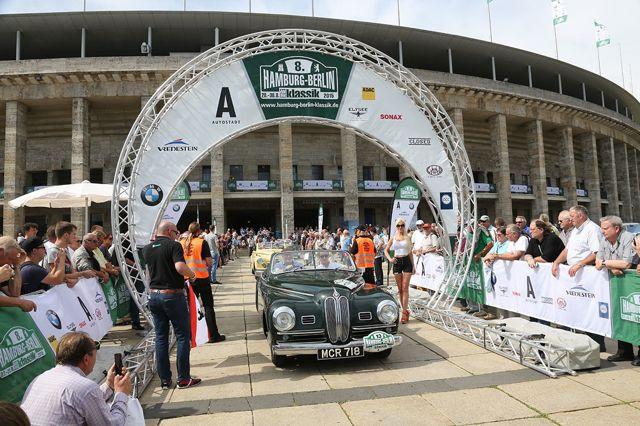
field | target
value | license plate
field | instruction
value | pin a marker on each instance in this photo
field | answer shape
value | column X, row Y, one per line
column 341, row 353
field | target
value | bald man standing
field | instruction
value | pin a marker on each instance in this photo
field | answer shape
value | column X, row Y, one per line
column 168, row 304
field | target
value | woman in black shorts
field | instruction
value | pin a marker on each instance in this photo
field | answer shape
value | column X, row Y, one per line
column 402, row 265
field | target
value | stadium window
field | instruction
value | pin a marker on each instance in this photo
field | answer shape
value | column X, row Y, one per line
column 206, row 174
column 294, row 170
column 96, row 176
column 367, row 172
column 264, row 172
column 236, row 172
column 478, row 177
column 525, row 179
column 61, row 177
column 392, row 174
column 548, row 181
column 339, row 172
column 317, row 172
column 490, row 177
column 38, row 178
column 512, row 178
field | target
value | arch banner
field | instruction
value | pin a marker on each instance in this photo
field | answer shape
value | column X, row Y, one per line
column 286, row 84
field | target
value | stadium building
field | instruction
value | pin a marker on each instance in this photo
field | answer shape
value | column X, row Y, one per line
column 541, row 134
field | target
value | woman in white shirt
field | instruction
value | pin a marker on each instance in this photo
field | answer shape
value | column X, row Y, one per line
column 402, row 265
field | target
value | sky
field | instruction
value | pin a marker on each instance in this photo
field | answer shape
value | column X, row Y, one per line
column 525, row 24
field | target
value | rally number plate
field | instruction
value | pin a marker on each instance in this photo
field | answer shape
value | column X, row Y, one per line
column 341, row 353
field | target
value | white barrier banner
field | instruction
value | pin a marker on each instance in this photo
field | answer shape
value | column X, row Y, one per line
column 519, row 189
column 377, row 185
column 63, row 309
column 580, row 302
column 252, row 185
column 429, row 271
column 483, row 187
column 317, row 184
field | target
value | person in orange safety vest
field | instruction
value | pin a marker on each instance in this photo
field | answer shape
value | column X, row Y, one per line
column 364, row 252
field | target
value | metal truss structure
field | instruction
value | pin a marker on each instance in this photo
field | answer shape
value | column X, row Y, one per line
column 530, row 350
column 183, row 80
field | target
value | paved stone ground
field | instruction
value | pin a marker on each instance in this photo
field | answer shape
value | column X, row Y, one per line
column 432, row 378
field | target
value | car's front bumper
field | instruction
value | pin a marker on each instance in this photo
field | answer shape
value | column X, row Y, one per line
column 311, row 348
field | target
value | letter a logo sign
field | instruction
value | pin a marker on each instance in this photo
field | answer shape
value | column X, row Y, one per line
column 225, row 104
column 530, row 292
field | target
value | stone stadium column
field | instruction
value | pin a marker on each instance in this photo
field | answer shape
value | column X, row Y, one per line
column 624, row 184
column 608, row 162
column 500, row 143
column 286, row 177
column 591, row 173
column 537, row 167
column 80, row 144
column 217, row 189
column 567, row 166
column 634, row 180
column 349, row 175
column 457, row 117
column 15, row 144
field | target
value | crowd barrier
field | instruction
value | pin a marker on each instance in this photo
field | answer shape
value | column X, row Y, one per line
column 28, row 340
column 592, row 301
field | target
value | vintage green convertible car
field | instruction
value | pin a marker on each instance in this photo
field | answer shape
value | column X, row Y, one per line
column 315, row 302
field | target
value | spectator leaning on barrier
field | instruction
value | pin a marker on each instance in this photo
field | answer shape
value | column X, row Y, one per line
column 65, row 233
column 11, row 256
column 84, row 258
column 482, row 247
column 566, row 226
column 544, row 245
column 521, row 221
column 65, row 395
column 616, row 254
column 35, row 277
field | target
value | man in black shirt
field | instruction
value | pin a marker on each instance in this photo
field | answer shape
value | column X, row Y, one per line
column 168, row 304
column 35, row 277
column 544, row 246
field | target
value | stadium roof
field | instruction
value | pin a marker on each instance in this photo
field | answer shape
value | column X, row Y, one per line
column 57, row 35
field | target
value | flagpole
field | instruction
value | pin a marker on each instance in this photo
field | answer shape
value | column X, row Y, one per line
column 490, row 29
column 398, row 3
column 599, row 67
column 621, row 65
column 555, row 37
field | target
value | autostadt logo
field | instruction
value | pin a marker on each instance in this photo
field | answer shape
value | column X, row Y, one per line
column 562, row 304
column 434, row 170
column 177, row 145
column 54, row 319
column 420, row 141
column 151, row 195
column 390, row 116
column 358, row 113
column 298, row 77
column 580, row 291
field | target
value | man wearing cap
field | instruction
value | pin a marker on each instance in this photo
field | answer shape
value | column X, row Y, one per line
column 418, row 235
column 35, row 277
column 364, row 252
column 492, row 229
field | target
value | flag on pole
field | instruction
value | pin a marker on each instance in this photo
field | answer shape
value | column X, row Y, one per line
column 489, row 1
column 602, row 35
column 559, row 12
column 320, row 217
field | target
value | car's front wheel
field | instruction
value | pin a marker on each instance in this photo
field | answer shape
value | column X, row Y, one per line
column 277, row 360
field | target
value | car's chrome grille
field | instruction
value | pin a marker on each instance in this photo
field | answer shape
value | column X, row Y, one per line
column 308, row 319
column 336, row 311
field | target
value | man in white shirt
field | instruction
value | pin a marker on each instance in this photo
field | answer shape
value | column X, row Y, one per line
column 566, row 226
column 417, row 236
column 516, row 249
column 583, row 245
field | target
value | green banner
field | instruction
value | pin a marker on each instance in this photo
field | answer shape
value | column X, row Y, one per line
column 123, row 295
column 407, row 189
column 473, row 289
column 24, row 353
column 298, row 83
column 112, row 299
column 625, row 307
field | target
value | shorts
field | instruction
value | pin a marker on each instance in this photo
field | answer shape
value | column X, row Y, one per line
column 403, row 264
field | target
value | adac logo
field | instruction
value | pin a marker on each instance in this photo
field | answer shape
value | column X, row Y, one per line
column 434, row 170
column 358, row 113
column 580, row 291
column 298, row 77
column 562, row 303
column 420, row 141
column 19, row 347
column 151, row 195
column 177, row 145
column 630, row 308
column 368, row 93
column 390, row 116
column 54, row 319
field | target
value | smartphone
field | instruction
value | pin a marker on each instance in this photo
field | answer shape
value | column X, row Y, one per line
column 117, row 359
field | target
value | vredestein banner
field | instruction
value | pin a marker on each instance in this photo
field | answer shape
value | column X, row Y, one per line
column 273, row 85
column 405, row 204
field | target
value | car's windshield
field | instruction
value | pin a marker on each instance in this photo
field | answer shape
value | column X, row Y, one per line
column 634, row 228
column 279, row 244
column 288, row 261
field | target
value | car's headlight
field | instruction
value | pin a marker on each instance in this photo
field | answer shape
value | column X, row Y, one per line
column 387, row 312
column 260, row 261
column 284, row 319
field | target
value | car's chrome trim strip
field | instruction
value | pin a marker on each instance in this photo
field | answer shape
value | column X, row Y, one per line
column 311, row 348
column 371, row 326
column 288, row 291
column 302, row 332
